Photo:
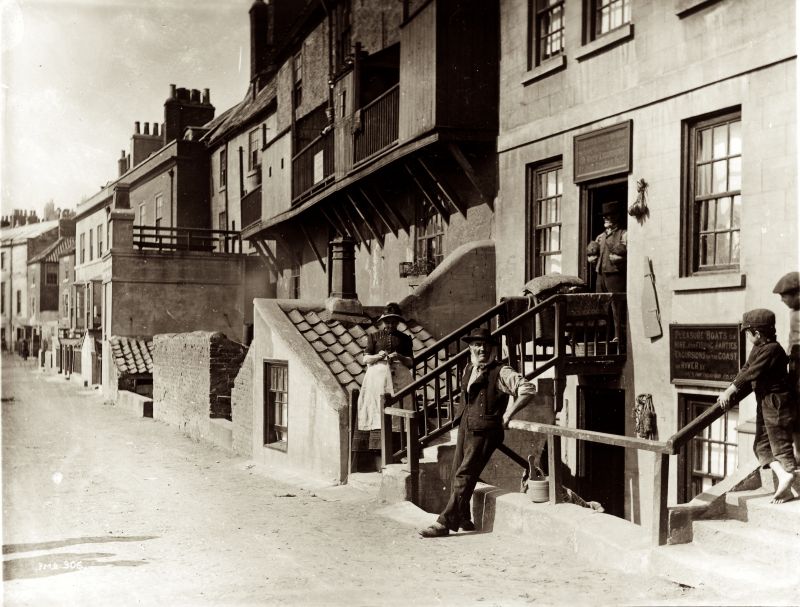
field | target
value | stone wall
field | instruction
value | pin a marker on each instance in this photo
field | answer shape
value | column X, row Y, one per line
column 242, row 408
column 193, row 374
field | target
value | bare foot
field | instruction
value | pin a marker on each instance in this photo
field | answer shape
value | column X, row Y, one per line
column 783, row 493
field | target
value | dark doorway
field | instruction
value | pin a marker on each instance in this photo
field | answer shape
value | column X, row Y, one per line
column 601, row 468
column 593, row 195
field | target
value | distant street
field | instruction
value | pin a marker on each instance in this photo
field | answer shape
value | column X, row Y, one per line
column 104, row 508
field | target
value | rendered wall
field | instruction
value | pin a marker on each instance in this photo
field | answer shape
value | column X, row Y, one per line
column 242, row 408
column 318, row 406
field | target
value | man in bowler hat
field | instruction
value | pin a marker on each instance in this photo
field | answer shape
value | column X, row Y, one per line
column 610, row 258
column 481, row 417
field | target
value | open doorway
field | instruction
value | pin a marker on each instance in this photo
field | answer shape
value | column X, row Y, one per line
column 593, row 196
column 601, row 468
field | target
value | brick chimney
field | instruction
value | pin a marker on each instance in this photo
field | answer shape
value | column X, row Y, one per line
column 342, row 303
column 143, row 144
column 261, row 37
column 184, row 108
column 122, row 163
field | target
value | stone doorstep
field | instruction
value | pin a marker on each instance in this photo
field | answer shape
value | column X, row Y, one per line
column 733, row 538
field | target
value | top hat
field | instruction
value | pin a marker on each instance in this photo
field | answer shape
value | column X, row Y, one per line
column 392, row 310
column 611, row 208
column 481, row 334
column 759, row 318
column 789, row 283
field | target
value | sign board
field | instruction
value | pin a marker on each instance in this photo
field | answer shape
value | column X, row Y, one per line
column 708, row 355
column 603, row 152
column 319, row 167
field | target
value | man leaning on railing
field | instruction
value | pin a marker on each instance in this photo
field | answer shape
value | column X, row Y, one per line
column 481, row 418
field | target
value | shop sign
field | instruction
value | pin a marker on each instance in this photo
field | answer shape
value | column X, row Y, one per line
column 706, row 355
column 603, row 152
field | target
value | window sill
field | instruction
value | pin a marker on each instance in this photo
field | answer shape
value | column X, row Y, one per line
column 545, row 68
column 710, row 282
column 605, row 42
column 684, row 8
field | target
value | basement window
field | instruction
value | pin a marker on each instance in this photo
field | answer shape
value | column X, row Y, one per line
column 276, row 404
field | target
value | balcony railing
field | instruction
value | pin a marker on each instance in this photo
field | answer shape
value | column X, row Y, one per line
column 251, row 207
column 380, row 122
column 312, row 165
column 186, row 239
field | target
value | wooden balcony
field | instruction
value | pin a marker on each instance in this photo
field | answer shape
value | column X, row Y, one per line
column 313, row 166
column 251, row 207
column 161, row 239
column 379, row 125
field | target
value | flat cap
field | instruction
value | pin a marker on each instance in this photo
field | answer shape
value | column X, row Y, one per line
column 788, row 283
column 758, row 319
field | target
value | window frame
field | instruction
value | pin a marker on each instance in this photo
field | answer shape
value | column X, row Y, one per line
column 99, row 240
column 223, row 169
column 142, row 213
column 690, row 232
column 297, row 78
column 268, row 426
column 253, row 149
column 83, row 247
column 532, row 269
column 295, row 276
column 424, row 211
column 19, row 302
column 50, row 277
column 590, row 19
column 535, row 19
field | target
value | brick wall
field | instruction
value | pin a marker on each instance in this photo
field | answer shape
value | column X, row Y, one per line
column 242, row 408
column 193, row 374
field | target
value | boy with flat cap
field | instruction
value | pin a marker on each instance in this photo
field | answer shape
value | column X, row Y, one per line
column 765, row 374
column 481, row 419
column 788, row 287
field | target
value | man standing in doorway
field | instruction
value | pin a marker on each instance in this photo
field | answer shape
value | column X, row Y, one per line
column 610, row 255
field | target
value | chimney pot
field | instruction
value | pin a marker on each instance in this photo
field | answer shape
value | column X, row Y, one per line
column 172, row 91
column 155, row 129
column 206, row 96
column 146, row 128
column 195, row 98
column 136, row 127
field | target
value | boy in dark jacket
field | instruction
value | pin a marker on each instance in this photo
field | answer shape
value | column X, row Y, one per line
column 765, row 374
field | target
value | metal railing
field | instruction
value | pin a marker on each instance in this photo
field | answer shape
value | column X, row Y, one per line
column 310, row 170
column 186, row 239
column 379, row 125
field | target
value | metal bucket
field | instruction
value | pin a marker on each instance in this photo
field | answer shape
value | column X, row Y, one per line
column 539, row 491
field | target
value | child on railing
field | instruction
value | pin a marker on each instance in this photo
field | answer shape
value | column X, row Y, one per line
column 765, row 374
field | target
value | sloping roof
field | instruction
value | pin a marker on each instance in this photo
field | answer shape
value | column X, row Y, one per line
column 240, row 114
column 62, row 246
column 132, row 355
column 341, row 346
column 23, row 233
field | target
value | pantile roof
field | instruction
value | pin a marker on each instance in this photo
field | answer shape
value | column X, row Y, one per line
column 132, row 355
column 60, row 247
column 340, row 346
column 238, row 116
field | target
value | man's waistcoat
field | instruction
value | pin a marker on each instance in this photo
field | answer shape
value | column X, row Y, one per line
column 610, row 243
column 482, row 407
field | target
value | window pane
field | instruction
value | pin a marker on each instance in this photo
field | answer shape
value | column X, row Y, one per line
column 704, row 145
column 706, row 249
column 737, row 206
column 552, row 264
column 735, row 174
column 703, row 185
column 706, row 215
column 735, row 129
column 734, row 247
column 720, row 141
column 558, row 181
column 552, row 190
column 723, row 248
column 555, row 238
column 719, row 178
column 723, row 213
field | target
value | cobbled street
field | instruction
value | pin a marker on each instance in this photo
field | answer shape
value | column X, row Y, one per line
column 103, row 508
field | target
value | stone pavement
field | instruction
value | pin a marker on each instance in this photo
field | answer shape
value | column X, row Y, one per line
column 104, row 508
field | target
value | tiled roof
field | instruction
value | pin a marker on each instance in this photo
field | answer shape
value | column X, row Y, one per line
column 341, row 346
column 63, row 245
column 132, row 355
column 23, row 233
column 238, row 116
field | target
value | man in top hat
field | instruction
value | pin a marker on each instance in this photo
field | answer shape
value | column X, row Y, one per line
column 481, row 417
column 610, row 257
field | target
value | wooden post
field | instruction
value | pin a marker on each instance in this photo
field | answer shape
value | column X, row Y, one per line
column 554, row 462
column 412, row 451
column 660, row 524
column 387, row 453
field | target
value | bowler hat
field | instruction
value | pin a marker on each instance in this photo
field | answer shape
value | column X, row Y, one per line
column 481, row 334
column 789, row 283
column 392, row 310
column 611, row 208
column 759, row 318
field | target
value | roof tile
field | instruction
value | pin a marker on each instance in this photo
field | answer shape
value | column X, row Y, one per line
column 295, row 316
column 132, row 355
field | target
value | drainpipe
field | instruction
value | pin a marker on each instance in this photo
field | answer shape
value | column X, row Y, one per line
column 171, row 198
column 227, row 175
column 241, row 176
